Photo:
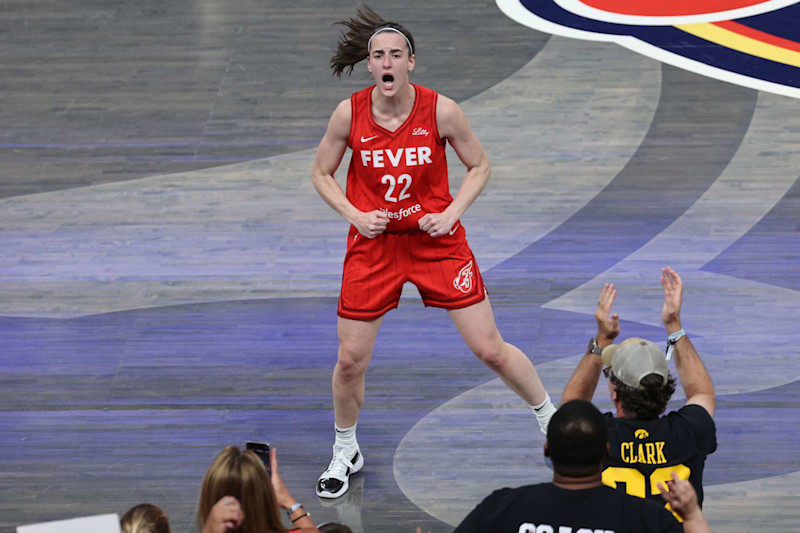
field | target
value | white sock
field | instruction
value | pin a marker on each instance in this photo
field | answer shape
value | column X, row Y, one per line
column 346, row 437
column 544, row 412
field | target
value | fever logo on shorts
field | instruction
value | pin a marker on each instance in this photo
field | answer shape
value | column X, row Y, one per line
column 463, row 281
column 754, row 43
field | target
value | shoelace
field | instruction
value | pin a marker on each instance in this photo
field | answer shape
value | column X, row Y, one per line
column 339, row 464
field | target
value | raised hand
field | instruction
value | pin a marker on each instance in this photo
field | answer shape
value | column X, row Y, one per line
column 673, row 298
column 607, row 323
column 680, row 496
column 226, row 515
column 282, row 495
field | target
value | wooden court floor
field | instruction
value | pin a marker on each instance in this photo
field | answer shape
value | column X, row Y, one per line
column 169, row 277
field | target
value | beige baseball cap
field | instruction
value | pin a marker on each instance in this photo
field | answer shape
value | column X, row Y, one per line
column 635, row 358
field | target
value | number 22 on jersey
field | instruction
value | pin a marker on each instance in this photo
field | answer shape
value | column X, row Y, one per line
column 635, row 482
column 404, row 181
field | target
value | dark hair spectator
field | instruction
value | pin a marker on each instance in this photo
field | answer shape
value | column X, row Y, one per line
column 643, row 442
column 333, row 527
column 648, row 402
column 576, row 499
column 577, row 440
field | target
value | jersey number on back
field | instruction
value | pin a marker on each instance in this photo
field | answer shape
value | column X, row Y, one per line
column 635, row 482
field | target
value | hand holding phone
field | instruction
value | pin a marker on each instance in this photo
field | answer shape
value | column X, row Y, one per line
column 261, row 449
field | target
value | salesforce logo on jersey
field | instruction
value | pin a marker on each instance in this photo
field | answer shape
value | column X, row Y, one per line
column 403, row 213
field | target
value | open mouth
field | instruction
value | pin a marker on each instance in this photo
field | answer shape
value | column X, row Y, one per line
column 388, row 81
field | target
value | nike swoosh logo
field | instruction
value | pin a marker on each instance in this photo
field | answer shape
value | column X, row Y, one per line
column 365, row 139
column 454, row 229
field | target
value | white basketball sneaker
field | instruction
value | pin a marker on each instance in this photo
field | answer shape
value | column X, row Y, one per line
column 334, row 481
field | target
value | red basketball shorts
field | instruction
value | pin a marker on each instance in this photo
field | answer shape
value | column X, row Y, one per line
column 443, row 269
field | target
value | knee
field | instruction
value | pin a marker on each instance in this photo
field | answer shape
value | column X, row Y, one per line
column 352, row 363
column 492, row 355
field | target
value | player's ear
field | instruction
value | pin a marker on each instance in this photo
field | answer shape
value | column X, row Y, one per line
column 411, row 62
column 547, row 450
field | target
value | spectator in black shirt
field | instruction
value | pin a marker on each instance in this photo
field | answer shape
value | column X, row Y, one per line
column 576, row 499
column 647, row 447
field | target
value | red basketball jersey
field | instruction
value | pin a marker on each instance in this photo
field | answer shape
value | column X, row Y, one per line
column 403, row 172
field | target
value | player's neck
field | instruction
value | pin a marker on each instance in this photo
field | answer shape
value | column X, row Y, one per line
column 578, row 483
column 397, row 105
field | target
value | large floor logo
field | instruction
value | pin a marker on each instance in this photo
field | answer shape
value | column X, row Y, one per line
column 748, row 42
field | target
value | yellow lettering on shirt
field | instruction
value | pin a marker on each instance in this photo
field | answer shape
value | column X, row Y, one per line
column 648, row 453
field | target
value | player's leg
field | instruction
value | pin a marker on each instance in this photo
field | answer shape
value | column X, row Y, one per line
column 477, row 326
column 368, row 292
column 356, row 341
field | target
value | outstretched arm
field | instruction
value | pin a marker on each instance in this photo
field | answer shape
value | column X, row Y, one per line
column 692, row 373
column 454, row 126
column 329, row 155
column 582, row 384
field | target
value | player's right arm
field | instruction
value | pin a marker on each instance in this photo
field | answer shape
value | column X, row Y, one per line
column 694, row 377
column 329, row 155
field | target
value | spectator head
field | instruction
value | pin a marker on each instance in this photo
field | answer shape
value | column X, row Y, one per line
column 145, row 518
column 637, row 370
column 577, row 439
column 241, row 474
column 333, row 527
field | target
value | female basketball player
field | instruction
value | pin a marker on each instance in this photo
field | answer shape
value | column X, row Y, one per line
column 405, row 225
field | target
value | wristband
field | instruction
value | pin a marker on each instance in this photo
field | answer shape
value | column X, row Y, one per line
column 293, row 508
column 672, row 338
column 301, row 516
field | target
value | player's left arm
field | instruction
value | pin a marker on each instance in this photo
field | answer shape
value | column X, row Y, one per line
column 454, row 126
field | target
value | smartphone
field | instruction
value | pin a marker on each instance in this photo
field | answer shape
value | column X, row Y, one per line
column 261, row 449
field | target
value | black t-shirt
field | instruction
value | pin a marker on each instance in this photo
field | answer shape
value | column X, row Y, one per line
column 599, row 509
column 644, row 452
